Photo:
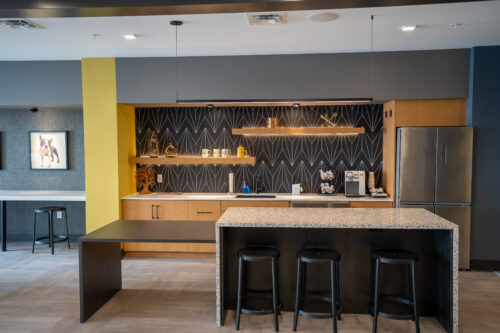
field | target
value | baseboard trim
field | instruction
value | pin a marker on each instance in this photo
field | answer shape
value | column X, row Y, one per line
column 485, row 265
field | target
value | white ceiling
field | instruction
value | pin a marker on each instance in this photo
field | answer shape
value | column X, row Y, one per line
column 230, row 34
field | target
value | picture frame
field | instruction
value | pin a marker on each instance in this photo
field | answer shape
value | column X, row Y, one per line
column 48, row 150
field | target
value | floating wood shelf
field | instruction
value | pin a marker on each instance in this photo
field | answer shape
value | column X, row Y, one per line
column 192, row 160
column 263, row 131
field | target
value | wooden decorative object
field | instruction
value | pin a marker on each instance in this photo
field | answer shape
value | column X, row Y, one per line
column 145, row 177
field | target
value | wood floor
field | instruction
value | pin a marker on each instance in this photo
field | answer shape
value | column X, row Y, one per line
column 39, row 293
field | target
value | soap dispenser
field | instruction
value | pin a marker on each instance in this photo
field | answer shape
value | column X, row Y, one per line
column 245, row 188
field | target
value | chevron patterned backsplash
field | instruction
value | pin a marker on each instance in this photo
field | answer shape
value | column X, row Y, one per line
column 280, row 160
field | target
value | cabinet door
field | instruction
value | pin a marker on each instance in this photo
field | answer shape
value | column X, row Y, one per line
column 175, row 210
column 226, row 204
column 204, row 210
column 138, row 210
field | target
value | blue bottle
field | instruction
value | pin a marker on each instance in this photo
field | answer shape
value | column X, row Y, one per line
column 245, row 188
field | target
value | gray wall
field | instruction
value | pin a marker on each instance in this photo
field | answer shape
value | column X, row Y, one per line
column 485, row 112
column 15, row 173
column 397, row 75
column 40, row 83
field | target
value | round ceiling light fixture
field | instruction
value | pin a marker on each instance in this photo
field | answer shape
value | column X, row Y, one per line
column 322, row 17
column 408, row 27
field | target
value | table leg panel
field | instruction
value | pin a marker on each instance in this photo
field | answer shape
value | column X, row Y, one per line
column 100, row 275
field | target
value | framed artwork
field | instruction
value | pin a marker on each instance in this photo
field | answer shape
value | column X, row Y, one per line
column 48, row 150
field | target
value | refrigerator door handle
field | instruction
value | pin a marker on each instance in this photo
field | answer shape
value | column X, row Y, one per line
column 444, row 152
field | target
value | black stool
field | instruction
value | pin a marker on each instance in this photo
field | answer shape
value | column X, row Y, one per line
column 253, row 254
column 394, row 257
column 50, row 238
column 318, row 256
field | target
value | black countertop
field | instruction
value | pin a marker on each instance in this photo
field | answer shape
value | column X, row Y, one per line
column 154, row 231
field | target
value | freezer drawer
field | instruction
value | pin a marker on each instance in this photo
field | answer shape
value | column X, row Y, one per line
column 416, row 170
column 459, row 215
column 454, row 164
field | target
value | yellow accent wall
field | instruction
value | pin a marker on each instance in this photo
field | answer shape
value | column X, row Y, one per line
column 109, row 139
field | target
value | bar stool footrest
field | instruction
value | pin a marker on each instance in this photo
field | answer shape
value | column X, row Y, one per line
column 395, row 299
column 45, row 239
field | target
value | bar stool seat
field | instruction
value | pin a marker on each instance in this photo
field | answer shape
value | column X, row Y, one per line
column 394, row 257
column 318, row 256
column 50, row 238
column 258, row 253
column 255, row 254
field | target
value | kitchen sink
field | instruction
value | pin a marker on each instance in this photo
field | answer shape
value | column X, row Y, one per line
column 260, row 196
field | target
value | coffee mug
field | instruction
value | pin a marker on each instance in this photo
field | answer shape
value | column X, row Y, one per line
column 226, row 152
column 205, row 153
column 216, row 153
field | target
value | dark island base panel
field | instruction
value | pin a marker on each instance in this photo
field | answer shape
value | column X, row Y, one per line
column 100, row 275
column 433, row 270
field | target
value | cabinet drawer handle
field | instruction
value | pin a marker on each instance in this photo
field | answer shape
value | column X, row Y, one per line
column 204, row 212
column 152, row 212
column 157, row 216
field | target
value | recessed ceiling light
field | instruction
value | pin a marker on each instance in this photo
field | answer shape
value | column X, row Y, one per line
column 407, row 28
column 322, row 17
column 130, row 36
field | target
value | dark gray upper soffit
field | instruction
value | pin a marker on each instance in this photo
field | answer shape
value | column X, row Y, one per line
column 88, row 8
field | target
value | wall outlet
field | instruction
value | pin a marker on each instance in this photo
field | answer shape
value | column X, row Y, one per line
column 159, row 178
column 59, row 215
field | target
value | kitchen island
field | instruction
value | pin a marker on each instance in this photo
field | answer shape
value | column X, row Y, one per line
column 354, row 233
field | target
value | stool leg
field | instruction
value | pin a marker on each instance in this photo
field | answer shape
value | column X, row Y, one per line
column 48, row 227
column 67, row 230
column 297, row 295
column 34, row 233
column 275, row 294
column 337, row 287
column 51, row 223
column 238, row 304
column 375, row 297
column 414, row 297
column 333, row 295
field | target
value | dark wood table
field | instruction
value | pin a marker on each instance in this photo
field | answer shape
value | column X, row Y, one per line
column 100, row 254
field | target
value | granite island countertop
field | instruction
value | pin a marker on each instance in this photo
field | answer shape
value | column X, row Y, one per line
column 360, row 218
column 232, row 197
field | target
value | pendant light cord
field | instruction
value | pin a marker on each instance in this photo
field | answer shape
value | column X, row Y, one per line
column 176, row 67
column 371, row 59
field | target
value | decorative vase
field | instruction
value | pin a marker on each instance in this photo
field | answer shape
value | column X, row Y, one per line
column 153, row 146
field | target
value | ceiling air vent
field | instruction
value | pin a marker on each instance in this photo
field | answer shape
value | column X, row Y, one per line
column 266, row 19
column 20, row 24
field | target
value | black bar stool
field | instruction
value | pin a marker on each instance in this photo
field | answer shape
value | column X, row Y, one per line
column 318, row 256
column 50, row 238
column 394, row 257
column 253, row 254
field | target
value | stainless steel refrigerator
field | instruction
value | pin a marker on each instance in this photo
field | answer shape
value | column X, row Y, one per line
column 434, row 171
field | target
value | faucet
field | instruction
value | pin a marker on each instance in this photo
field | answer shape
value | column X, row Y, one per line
column 257, row 184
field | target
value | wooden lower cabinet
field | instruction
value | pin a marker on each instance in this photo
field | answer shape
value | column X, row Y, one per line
column 162, row 211
column 226, row 204
column 370, row 204
column 204, row 210
column 155, row 210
